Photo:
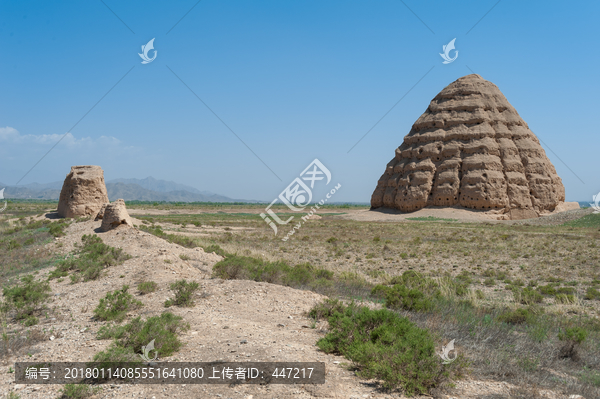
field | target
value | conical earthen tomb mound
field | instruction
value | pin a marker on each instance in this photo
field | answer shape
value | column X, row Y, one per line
column 472, row 149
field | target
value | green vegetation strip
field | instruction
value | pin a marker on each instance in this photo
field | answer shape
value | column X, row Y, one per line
column 92, row 258
column 386, row 347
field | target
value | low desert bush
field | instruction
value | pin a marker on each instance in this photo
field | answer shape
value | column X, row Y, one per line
column 415, row 280
column 387, row 347
column 57, row 228
column 517, row 316
column 214, row 248
column 489, row 282
column 116, row 304
column 565, row 299
column 592, row 293
column 402, row 297
column 92, row 258
column 26, row 298
column 77, row 391
column 572, row 338
column 130, row 337
column 248, row 268
column 146, row 287
column 326, row 309
column 184, row 293
column 527, row 296
column 116, row 356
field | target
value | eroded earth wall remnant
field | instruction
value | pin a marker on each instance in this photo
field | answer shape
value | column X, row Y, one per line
column 83, row 192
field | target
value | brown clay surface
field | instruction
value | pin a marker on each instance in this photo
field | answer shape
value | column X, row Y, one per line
column 114, row 215
column 83, row 192
column 470, row 148
column 564, row 212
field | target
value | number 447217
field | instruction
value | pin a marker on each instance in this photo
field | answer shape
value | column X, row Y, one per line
column 290, row 372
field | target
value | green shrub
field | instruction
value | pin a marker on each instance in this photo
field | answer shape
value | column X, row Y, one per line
column 387, row 347
column 77, row 391
column 564, row 299
column 30, row 321
column 592, row 293
column 574, row 334
column 326, row 309
column 489, row 273
column 572, row 338
column 548, row 289
column 184, row 293
column 527, row 296
column 412, row 279
column 57, row 228
column 116, row 304
column 27, row 297
column 565, row 290
column 116, row 356
column 216, row 249
column 303, row 274
column 517, row 316
column 248, row 268
column 401, row 297
column 489, row 282
column 130, row 338
column 146, row 287
column 93, row 257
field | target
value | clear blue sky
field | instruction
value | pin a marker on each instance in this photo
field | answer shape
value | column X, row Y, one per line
column 295, row 80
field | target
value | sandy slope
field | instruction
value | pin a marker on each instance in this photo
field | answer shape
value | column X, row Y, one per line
column 237, row 321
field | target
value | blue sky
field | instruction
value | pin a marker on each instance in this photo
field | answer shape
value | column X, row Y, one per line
column 295, row 80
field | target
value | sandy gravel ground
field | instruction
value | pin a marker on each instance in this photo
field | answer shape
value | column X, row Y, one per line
column 461, row 215
column 232, row 321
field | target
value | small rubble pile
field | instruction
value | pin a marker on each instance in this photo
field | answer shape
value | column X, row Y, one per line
column 113, row 215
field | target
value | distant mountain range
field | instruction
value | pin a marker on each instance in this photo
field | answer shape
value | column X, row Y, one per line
column 148, row 189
